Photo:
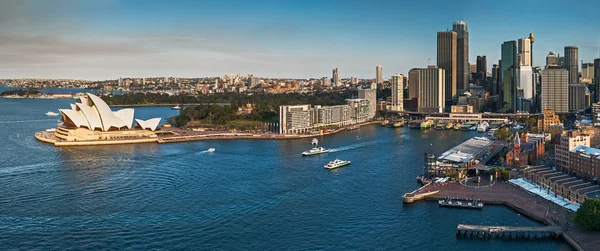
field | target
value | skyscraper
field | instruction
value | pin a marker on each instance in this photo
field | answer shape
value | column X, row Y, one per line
column 555, row 89
column 446, row 59
column 571, row 63
column 507, row 69
column 495, row 80
column 336, row 77
column 552, row 59
column 587, row 71
column 413, row 83
column 597, row 79
column 398, row 92
column 532, row 40
column 379, row 74
column 579, row 97
column 525, row 51
column 431, row 86
column 462, row 52
column 482, row 64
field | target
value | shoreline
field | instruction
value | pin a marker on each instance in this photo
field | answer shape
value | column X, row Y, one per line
column 196, row 136
column 518, row 200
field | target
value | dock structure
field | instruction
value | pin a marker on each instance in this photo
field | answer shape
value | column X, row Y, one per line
column 508, row 232
column 470, row 204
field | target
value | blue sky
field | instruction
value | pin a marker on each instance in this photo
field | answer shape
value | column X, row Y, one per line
column 300, row 39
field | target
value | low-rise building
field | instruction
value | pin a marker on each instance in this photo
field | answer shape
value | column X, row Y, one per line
column 569, row 140
column 548, row 118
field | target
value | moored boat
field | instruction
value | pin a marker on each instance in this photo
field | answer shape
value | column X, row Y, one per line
column 385, row 122
column 336, row 164
column 177, row 107
column 427, row 124
column 457, row 126
column 449, row 126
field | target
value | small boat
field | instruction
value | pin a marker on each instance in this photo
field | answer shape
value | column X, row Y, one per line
column 457, row 126
column 427, row 124
column 177, row 107
column 315, row 151
column 449, row 126
column 384, row 123
column 211, row 150
column 51, row 113
column 399, row 124
column 337, row 163
column 483, row 126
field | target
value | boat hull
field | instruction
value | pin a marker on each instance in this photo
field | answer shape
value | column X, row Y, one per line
column 338, row 166
column 311, row 154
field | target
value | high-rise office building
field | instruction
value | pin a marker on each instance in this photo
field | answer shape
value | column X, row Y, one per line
column 446, row 59
column 524, row 51
column 555, row 89
column 587, row 71
column 495, row 79
column 462, row 52
column 336, row 77
column 597, row 79
column 508, row 66
column 379, row 74
column 579, row 97
column 525, row 78
column 413, row 83
column 572, row 63
column 482, row 64
column 552, row 59
column 431, row 90
column 397, row 93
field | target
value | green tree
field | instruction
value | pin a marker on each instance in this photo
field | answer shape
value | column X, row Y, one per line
column 501, row 159
column 502, row 134
column 588, row 215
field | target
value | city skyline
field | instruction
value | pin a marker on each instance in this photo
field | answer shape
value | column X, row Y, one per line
column 95, row 40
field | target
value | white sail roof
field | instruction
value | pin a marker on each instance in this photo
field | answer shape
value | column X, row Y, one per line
column 150, row 124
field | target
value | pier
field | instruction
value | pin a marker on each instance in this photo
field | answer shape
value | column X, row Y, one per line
column 508, row 232
column 469, row 204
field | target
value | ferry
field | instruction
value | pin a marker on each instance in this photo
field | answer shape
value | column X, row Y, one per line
column 315, row 151
column 336, row 163
column 395, row 124
column 441, row 125
column 51, row 113
column 177, row 107
column 457, row 126
column 427, row 124
column 211, row 150
column 414, row 123
column 449, row 126
column 483, row 126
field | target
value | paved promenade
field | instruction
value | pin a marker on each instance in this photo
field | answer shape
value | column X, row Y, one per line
column 528, row 204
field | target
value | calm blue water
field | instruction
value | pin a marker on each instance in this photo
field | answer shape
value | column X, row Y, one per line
column 248, row 195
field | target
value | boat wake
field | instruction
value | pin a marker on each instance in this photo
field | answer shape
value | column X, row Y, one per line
column 25, row 121
column 354, row 146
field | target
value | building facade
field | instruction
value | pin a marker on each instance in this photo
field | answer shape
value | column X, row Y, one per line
column 462, row 53
column 579, row 97
column 447, row 60
column 336, row 77
column 413, row 83
column 431, row 90
column 397, row 93
column 568, row 141
column 371, row 96
column 360, row 110
column 525, row 52
column 571, row 63
column 555, row 89
column 515, row 158
column 552, row 60
column 379, row 74
column 597, row 79
column 584, row 163
column 548, row 118
column 508, row 65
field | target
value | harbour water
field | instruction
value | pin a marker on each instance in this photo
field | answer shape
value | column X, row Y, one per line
column 247, row 195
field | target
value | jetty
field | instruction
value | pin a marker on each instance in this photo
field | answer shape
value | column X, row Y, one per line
column 508, row 232
column 469, row 204
column 417, row 194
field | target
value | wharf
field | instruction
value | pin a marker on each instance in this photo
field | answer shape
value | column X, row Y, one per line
column 508, row 232
column 470, row 204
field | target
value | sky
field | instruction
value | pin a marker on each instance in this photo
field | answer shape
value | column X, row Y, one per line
column 108, row 39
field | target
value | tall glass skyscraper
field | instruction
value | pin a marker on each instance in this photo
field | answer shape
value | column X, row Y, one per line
column 508, row 64
column 462, row 52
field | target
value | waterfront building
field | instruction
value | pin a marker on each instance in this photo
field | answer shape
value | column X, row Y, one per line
column 548, row 118
column 360, row 110
column 461, row 109
column 568, row 141
column 561, row 184
column 465, row 154
column 413, row 83
column 447, row 60
column 579, row 97
column 571, row 63
column 294, row 119
column 552, row 60
column 336, row 77
column 371, row 96
column 397, row 93
column 555, row 89
column 508, row 66
column 379, row 75
column 432, row 91
column 462, row 53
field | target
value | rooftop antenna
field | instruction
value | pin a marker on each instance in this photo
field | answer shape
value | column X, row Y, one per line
column 428, row 61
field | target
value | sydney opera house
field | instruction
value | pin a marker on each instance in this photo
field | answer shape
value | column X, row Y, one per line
column 91, row 122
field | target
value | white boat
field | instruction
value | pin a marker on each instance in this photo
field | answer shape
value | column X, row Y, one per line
column 337, row 163
column 483, row 126
column 51, row 113
column 177, row 107
column 210, row 150
column 315, row 151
